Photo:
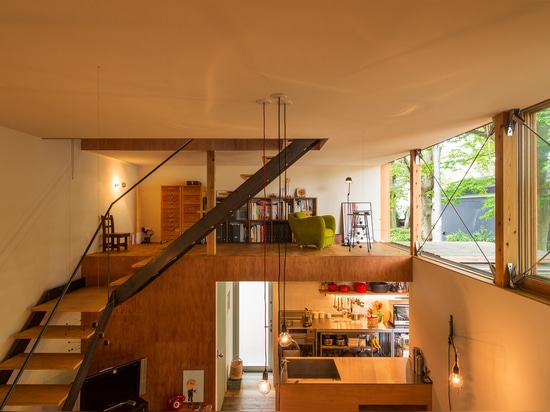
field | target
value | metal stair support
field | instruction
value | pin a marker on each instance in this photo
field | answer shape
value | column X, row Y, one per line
column 185, row 242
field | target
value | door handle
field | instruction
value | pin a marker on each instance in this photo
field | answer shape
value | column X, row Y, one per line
column 220, row 355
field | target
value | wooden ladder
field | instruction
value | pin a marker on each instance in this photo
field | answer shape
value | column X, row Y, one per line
column 87, row 299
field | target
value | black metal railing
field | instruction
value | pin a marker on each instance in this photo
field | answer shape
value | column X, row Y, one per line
column 175, row 250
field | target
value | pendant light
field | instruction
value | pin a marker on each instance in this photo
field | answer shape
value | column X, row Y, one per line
column 285, row 339
column 264, row 386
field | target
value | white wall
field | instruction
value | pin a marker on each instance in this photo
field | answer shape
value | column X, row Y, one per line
column 50, row 208
column 324, row 183
column 502, row 339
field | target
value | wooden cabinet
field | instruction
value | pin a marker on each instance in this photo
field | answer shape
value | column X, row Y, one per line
column 170, row 212
column 181, row 207
column 193, row 205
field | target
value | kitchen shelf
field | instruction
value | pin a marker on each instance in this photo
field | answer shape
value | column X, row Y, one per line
column 397, row 295
column 384, row 336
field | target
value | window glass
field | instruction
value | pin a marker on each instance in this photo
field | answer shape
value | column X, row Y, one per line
column 399, row 201
column 457, row 186
column 537, row 225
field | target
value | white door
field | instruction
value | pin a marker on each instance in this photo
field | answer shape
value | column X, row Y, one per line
column 224, row 316
column 254, row 323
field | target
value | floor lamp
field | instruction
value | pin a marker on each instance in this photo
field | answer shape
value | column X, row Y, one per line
column 349, row 181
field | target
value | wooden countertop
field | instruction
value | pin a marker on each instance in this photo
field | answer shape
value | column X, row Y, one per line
column 355, row 370
column 365, row 384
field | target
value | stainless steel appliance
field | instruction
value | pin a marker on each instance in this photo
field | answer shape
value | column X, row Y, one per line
column 305, row 338
column 303, row 334
column 400, row 314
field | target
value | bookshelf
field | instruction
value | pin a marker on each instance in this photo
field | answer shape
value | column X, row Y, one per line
column 263, row 219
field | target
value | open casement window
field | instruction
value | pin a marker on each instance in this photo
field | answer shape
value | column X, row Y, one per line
column 457, row 190
column 534, row 143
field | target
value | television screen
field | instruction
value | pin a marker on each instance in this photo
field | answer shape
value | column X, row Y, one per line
column 113, row 386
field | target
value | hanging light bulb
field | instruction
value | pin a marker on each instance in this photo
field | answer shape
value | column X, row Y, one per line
column 264, row 387
column 284, row 337
column 455, row 379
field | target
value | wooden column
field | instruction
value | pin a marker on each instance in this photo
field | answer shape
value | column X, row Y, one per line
column 384, row 203
column 211, row 197
column 506, row 199
column 415, row 201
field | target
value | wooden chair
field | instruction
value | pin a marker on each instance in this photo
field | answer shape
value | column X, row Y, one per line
column 111, row 239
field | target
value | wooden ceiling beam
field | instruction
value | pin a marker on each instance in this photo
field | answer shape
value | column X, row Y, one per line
column 195, row 145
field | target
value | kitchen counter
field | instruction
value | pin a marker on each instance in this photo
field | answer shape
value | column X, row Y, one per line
column 364, row 383
column 339, row 323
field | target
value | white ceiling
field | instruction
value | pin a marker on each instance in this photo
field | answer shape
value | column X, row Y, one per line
column 376, row 78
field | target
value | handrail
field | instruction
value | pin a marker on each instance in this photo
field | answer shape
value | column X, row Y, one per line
column 75, row 271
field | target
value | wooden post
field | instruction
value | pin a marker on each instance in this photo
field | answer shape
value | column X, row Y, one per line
column 506, row 199
column 415, row 201
column 211, row 197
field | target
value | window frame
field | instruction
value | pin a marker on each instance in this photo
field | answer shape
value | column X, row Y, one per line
column 528, row 210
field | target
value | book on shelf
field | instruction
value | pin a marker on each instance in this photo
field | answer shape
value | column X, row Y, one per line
column 257, row 233
column 304, row 205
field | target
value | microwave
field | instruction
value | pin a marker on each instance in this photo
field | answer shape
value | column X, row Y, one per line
column 400, row 314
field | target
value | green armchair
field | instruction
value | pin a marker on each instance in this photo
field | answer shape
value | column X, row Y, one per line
column 312, row 230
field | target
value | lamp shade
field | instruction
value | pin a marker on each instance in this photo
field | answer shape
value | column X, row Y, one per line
column 348, row 180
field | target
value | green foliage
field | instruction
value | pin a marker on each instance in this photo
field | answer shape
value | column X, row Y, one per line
column 466, row 166
column 484, row 235
column 400, row 235
column 399, row 188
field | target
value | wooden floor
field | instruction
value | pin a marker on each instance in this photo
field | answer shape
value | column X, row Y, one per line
column 257, row 249
column 248, row 398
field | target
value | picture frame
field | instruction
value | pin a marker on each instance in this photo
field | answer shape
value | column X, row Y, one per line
column 193, row 385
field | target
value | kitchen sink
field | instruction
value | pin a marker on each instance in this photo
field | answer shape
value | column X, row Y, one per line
column 312, row 369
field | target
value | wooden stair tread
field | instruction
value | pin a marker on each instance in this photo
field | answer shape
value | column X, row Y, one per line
column 142, row 263
column 92, row 299
column 36, row 395
column 44, row 361
column 57, row 332
column 121, row 280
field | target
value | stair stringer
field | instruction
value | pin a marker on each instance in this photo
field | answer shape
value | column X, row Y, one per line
column 186, row 241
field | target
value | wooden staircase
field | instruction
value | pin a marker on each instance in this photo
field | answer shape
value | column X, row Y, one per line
column 87, row 299
column 97, row 300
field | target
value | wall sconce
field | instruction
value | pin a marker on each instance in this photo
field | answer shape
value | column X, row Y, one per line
column 455, row 379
